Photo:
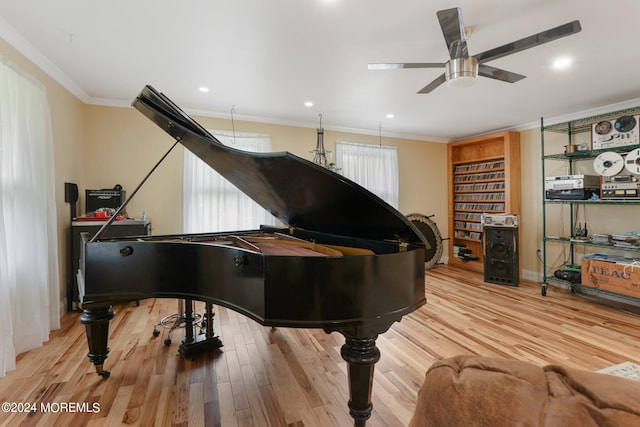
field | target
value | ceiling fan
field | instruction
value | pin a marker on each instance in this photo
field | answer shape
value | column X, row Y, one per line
column 462, row 70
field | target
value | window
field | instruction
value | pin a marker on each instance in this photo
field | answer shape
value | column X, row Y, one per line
column 373, row 167
column 211, row 203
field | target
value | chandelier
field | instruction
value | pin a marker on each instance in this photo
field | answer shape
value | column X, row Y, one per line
column 321, row 156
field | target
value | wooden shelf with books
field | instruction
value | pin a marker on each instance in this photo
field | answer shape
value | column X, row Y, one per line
column 484, row 177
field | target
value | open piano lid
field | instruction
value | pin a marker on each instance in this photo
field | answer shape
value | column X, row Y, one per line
column 296, row 191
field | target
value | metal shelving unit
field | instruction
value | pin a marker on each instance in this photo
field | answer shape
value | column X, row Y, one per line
column 571, row 129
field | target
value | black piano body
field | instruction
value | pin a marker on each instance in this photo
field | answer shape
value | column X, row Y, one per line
column 345, row 261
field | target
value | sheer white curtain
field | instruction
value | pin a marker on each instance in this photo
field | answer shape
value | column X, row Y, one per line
column 29, row 284
column 373, row 167
column 211, row 203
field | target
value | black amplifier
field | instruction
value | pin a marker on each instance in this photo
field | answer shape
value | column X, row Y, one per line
column 572, row 194
column 97, row 199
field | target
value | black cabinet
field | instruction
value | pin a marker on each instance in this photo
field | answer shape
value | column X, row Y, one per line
column 127, row 227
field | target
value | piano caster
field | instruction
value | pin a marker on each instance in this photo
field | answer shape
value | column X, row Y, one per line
column 177, row 321
column 103, row 372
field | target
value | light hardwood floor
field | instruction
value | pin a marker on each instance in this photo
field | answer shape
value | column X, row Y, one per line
column 296, row 377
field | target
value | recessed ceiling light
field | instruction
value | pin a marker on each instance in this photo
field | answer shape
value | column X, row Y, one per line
column 308, row 104
column 203, row 89
column 562, row 63
column 390, row 116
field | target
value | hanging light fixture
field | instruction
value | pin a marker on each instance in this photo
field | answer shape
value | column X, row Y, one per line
column 321, row 156
column 233, row 123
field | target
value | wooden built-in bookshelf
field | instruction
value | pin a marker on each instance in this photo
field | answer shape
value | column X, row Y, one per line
column 484, row 177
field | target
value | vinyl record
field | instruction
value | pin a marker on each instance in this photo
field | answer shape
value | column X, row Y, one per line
column 608, row 163
column 625, row 123
column 632, row 161
column 603, row 127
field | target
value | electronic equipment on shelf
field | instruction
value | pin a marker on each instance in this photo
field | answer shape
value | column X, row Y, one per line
column 568, row 275
column 619, row 174
column 105, row 198
column 620, row 132
column 577, row 194
column 499, row 220
column 623, row 186
column 568, row 182
column 608, row 163
column 614, row 180
column 632, row 161
column 571, row 187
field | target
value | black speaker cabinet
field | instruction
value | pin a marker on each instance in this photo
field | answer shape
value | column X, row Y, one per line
column 501, row 263
column 70, row 192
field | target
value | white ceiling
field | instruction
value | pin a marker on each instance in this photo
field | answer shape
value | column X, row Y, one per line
column 265, row 58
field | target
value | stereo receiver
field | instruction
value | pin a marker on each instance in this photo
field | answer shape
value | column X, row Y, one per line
column 571, row 187
column 623, row 186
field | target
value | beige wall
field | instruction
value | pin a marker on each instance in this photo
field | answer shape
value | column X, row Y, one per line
column 531, row 197
column 67, row 115
column 123, row 145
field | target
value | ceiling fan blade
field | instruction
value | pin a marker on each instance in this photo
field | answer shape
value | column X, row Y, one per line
column 499, row 74
column 434, row 84
column 453, row 31
column 529, row 42
column 398, row 66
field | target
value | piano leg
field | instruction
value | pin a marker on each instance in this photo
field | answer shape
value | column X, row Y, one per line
column 195, row 344
column 189, row 319
column 96, row 323
column 361, row 355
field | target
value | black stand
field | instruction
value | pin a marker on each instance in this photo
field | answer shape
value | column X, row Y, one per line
column 71, row 197
column 96, row 322
column 196, row 344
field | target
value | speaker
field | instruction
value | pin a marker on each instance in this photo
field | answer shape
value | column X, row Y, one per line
column 70, row 192
column 501, row 260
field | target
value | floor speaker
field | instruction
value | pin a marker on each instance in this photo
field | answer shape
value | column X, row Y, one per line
column 501, row 259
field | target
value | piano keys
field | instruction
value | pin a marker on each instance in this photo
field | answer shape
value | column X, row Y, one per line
column 345, row 260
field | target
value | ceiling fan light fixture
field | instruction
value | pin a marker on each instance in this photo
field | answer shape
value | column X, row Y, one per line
column 461, row 72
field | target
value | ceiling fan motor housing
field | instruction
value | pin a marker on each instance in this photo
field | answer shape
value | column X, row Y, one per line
column 461, row 72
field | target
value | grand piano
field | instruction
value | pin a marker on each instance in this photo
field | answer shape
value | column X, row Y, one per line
column 343, row 261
